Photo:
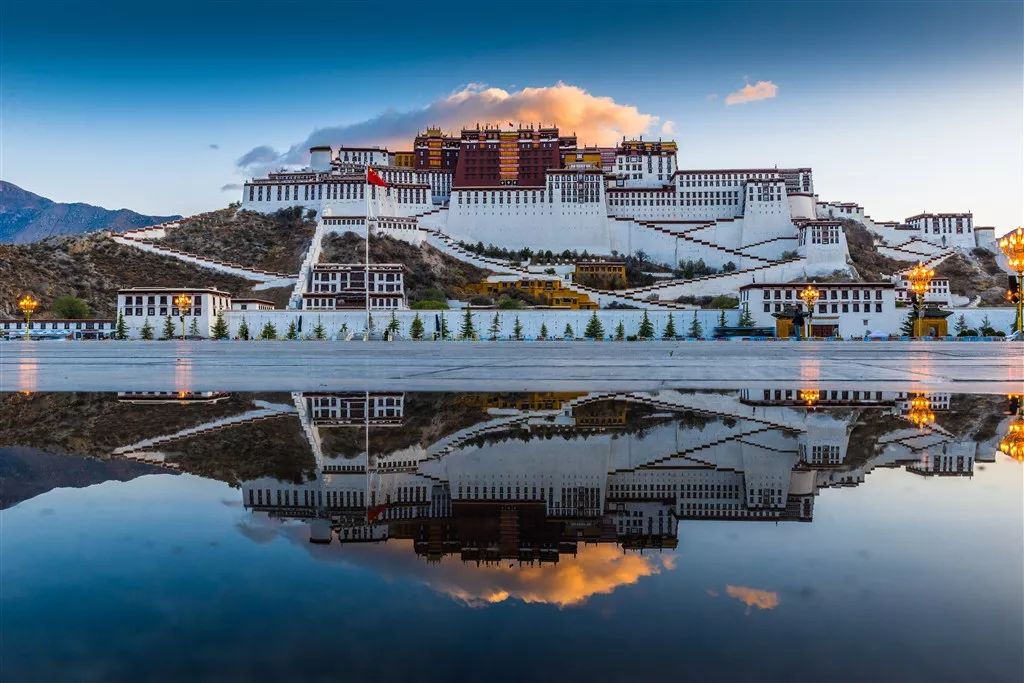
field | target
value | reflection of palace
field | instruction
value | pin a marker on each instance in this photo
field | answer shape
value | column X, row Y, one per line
column 532, row 477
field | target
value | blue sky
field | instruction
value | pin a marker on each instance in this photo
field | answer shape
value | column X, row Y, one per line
column 901, row 107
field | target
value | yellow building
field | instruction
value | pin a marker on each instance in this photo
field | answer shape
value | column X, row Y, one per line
column 600, row 273
column 582, row 156
column 549, row 292
column 405, row 159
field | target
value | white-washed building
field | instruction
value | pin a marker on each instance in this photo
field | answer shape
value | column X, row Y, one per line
column 845, row 309
column 154, row 305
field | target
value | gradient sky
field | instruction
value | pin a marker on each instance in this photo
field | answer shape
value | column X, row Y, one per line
column 901, row 107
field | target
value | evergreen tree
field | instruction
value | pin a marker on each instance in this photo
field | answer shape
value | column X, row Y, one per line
column 168, row 328
column 961, row 324
column 243, row 330
column 416, row 329
column 721, row 318
column 393, row 326
column 907, row 328
column 567, row 333
column 292, row 332
column 517, row 330
column 147, row 330
column 543, row 334
column 696, row 329
column 467, row 331
column 986, row 328
column 343, row 331
column 746, row 320
column 594, row 329
column 121, row 332
column 193, row 329
column 269, row 332
column 646, row 330
column 620, row 331
column 220, row 328
column 670, row 328
column 319, row 333
column 495, row 329
column 445, row 332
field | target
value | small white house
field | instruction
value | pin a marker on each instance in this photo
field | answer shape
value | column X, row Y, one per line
column 846, row 309
column 252, row 305
column 154, row 305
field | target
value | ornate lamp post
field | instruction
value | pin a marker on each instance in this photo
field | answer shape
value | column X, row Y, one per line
column 810, row 296
column 28, row 306
column 1013, row 443
column 1012, row 246
column 182, row 301
column 920, row 412
column 920, row 276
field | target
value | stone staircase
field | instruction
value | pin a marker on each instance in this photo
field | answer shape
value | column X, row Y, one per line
column 311, row 258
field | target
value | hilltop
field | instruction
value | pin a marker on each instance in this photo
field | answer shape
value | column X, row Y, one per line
column 27, row 217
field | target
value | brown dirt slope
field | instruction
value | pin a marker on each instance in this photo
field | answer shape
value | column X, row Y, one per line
column 871, row 265
column 980, row 276
column 275, row 242
column 93, row 267
column 84, row 423
column 426, row 267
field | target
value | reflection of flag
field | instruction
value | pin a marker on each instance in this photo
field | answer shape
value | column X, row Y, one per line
column 373, row 178
column 373, row 512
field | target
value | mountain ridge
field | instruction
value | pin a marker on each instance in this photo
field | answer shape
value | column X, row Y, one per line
column 28, row 217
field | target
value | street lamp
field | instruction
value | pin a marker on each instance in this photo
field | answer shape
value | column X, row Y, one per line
column 810, row 296
column 919, row 277
column 809, row 396
column 1012, row 246
column 28, row 306
column 182, row 301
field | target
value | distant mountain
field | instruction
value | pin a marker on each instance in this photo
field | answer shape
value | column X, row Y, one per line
column 27, row 217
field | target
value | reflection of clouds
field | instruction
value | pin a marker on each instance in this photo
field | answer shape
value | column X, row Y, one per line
column 753, row 597
column 259, row 528
column 595, row 569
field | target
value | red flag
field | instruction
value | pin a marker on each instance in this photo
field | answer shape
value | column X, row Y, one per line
column 373, row 178
column 373, row 512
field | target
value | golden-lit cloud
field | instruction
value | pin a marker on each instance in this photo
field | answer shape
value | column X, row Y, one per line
column 753, row 597
column 596, row 120
column 596, row 569
column 762, row 90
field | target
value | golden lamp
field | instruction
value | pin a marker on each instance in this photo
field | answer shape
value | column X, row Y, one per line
column 183, row 302
column 27, row 305
column 809, row 295
column 919, row 277
column 920, row 412
column 1012, row 246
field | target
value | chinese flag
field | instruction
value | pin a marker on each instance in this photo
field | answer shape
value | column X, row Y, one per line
column 373, row 178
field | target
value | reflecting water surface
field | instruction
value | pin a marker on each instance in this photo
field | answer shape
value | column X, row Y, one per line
column 783, row 534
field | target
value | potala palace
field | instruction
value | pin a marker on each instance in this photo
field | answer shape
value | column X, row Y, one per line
column 755, row 229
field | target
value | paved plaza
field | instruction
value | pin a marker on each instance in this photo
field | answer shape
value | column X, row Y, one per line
column 994, row 367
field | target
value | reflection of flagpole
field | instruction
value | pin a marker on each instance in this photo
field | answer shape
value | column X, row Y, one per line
column 366, row 260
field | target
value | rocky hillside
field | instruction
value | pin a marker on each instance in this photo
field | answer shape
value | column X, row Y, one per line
column 275, row 242
column 972, row 276
column 27, row 217
column 426, row 267
column 93, row 267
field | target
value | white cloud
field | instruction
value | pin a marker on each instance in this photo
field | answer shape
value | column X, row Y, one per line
column 668, row 128
column 595, row 121
column 762, row 90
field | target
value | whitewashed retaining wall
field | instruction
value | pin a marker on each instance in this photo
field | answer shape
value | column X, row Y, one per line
column 531, row 321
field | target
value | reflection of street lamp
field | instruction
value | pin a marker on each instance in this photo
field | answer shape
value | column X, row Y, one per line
column 1012, row 246
column 920, row 412
column 809, row 396
column 920, row 276
column 28, row 306
column 182, row 301
column 810, row 296
column 1013, row 443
